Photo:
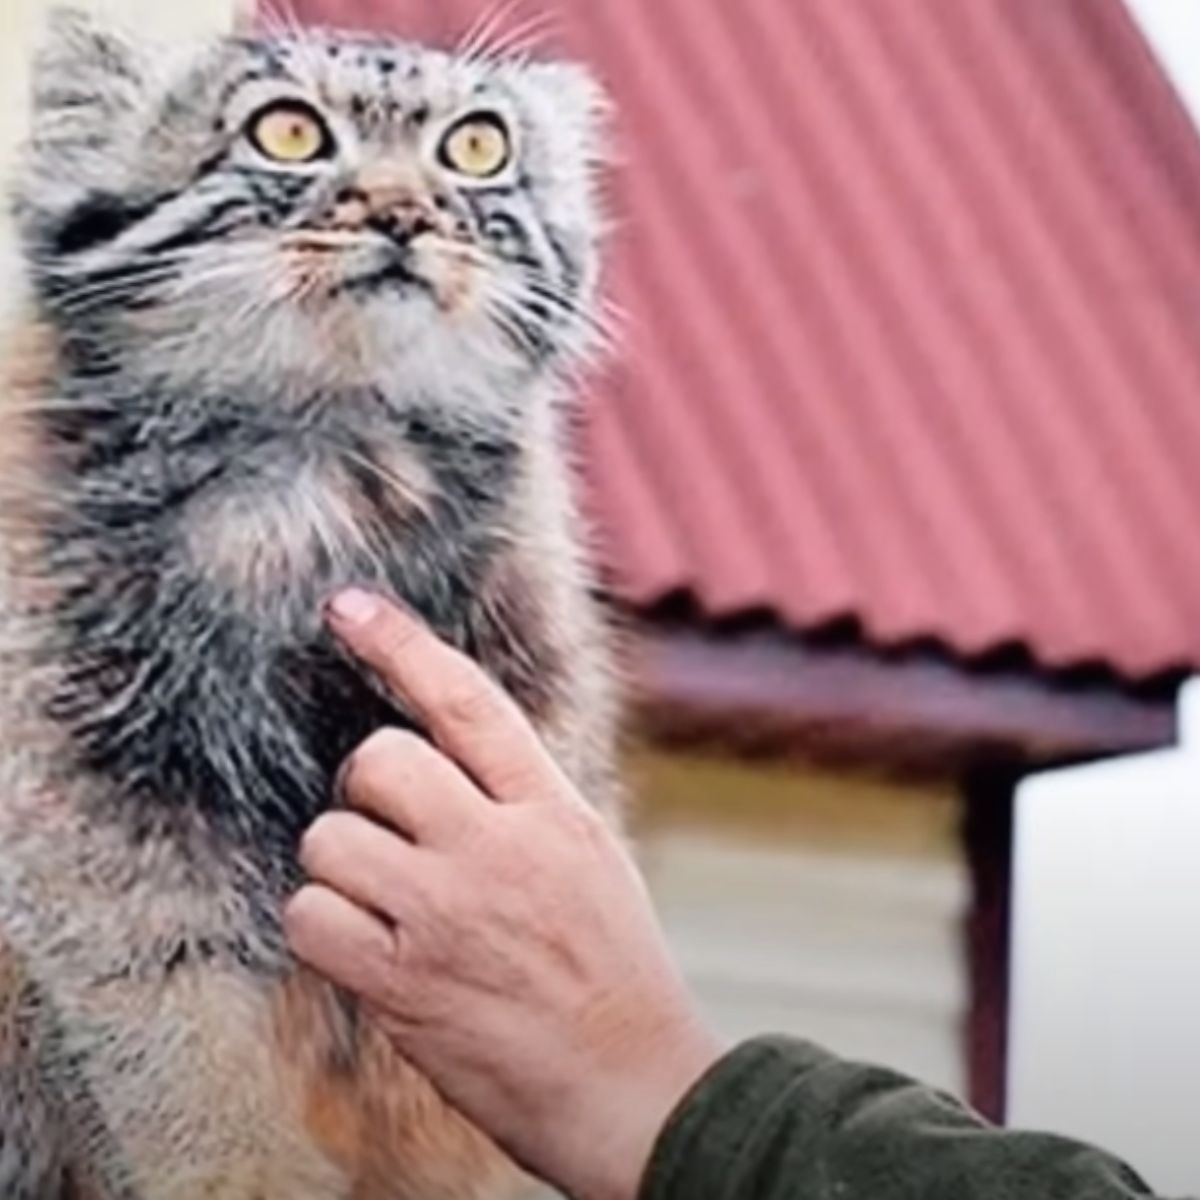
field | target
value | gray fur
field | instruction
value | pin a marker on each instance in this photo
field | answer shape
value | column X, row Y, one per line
column 223, row 439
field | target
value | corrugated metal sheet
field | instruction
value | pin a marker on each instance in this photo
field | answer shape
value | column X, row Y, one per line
column 914, row 318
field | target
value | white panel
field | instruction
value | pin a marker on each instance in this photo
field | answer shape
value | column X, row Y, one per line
column 859, row 953
column 1172, row 27
column 1106, row 958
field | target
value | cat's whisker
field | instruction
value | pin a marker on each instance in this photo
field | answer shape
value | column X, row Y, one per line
column 132, row 279
column 71, row 300
column 70, row 293
column 114, row 294
column 604, row 316
column 195, row 290
column 614, row 311
column 279, row 19
column 222, row 273
column 106, row 295
column 470, row 48
column 492, row 42
column 129, row 267
column 513, row 323
column 523, row 39
column 196, row 270
column 253, row 308
column 521, row 305
column 534, row 297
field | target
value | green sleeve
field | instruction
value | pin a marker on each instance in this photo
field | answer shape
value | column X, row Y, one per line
column 780, row 1118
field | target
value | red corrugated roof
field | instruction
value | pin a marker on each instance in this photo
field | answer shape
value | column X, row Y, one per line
column 914, row 318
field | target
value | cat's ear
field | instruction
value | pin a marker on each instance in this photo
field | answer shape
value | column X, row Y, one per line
column 576, row 101
column 87, row 90
column 88, row 79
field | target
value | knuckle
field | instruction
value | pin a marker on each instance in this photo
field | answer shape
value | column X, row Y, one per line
column 379, row 758
column 469, row 697
column 320, row 842
column 302, row 905
column 469, row 703
column 395, row 638
column 302, row 915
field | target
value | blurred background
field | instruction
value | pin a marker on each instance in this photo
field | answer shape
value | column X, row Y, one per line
column 895, row 473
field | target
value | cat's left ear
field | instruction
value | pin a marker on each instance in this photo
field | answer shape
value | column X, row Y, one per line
column 576, row 103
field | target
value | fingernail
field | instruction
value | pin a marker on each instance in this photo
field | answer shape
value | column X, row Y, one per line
column 353, row 607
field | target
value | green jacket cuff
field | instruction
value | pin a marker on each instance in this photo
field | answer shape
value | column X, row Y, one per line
column 725, row 1125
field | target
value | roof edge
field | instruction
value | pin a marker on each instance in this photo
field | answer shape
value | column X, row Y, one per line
column 847, row 629
column 768, row 694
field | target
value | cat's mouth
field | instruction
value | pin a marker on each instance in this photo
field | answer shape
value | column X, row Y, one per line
column 393, row 276
column 362, row 264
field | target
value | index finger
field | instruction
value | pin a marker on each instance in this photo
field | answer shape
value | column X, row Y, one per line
column 471, row 719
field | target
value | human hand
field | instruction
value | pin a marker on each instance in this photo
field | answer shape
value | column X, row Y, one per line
column 495, row 925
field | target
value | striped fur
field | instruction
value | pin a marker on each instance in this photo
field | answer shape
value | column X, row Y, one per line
column 241, row 389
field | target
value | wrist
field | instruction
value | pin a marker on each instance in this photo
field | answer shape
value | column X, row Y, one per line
column 604, row 1136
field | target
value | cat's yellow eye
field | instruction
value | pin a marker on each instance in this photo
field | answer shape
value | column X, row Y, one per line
column 479, row 146
column 290, row 132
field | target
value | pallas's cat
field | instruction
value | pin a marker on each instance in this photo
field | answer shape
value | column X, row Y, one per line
column 301, row 313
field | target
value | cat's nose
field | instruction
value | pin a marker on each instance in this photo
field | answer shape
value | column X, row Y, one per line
column 403, row 219
column 394, row 200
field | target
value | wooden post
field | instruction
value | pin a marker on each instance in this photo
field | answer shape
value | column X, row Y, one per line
column 988, row 835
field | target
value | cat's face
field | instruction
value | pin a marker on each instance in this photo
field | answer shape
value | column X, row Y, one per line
column 315, row 206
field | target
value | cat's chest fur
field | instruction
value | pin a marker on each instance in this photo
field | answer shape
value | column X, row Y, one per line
column 191, row 664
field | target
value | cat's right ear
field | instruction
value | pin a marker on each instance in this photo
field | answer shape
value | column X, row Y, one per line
column 88, row 78
column 87, row 88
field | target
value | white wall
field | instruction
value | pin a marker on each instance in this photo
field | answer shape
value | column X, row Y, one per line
column 1172, row 28
column 1106, row 989
column 860, row 953
column 827, row 905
